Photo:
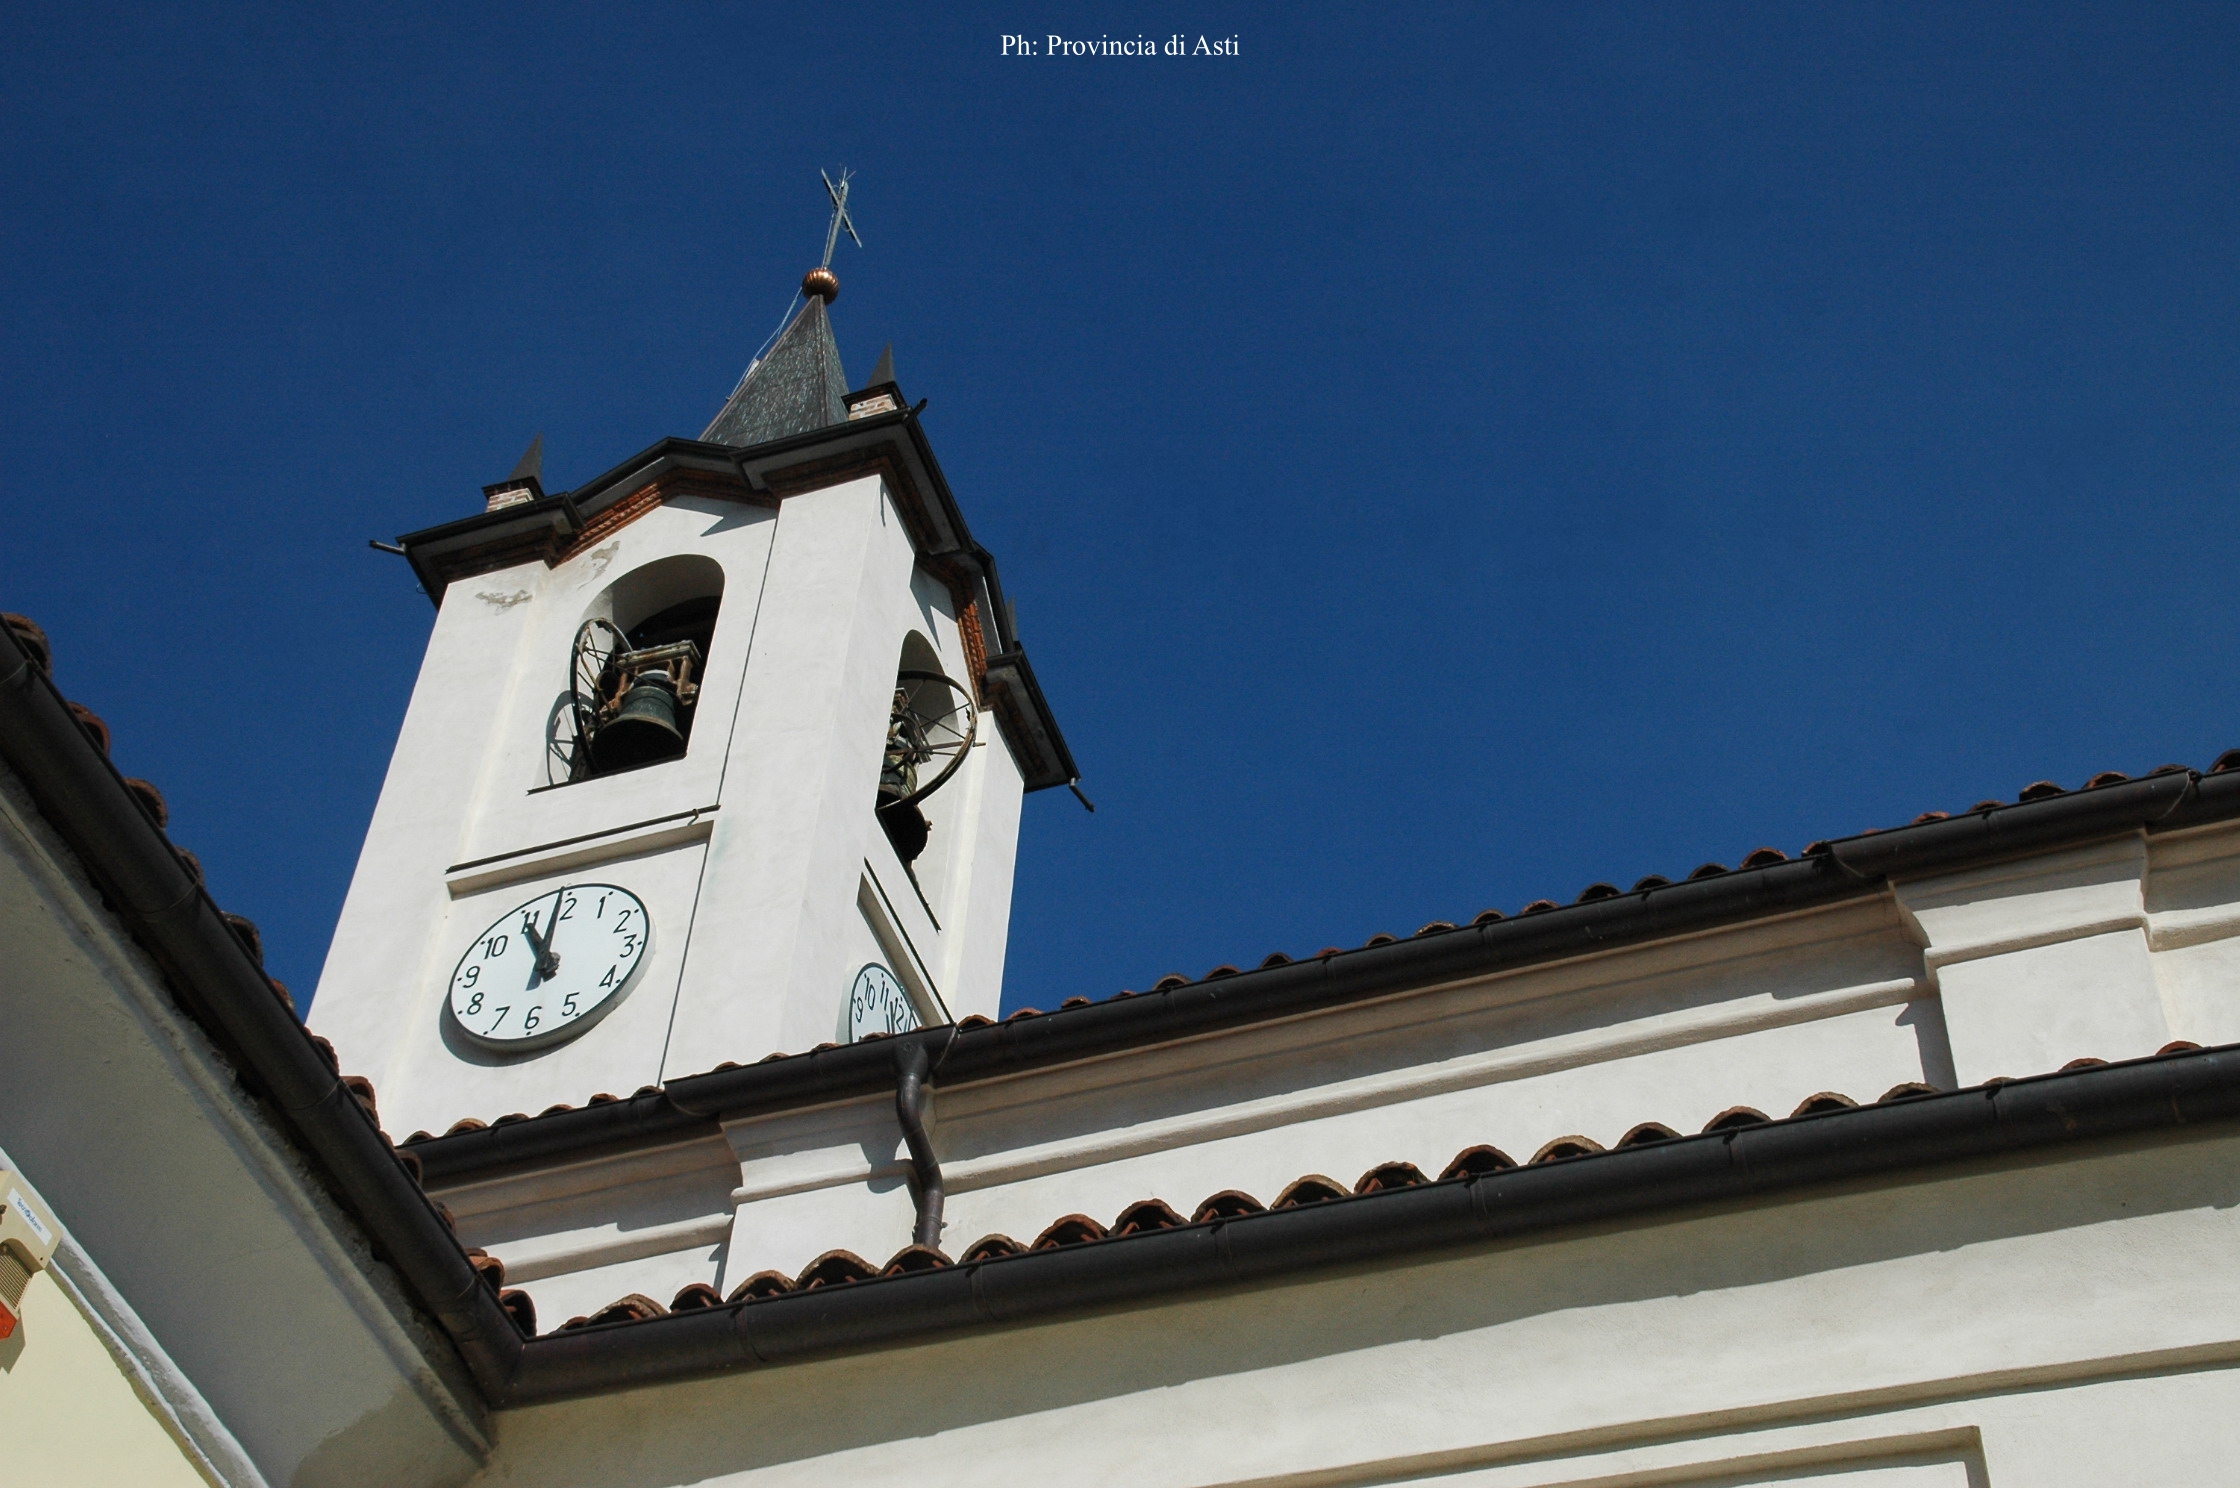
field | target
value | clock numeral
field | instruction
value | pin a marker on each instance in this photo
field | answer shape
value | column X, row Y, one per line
column 490, row 964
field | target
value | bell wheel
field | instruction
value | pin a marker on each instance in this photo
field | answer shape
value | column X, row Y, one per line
column 930, row 734
column 591, row 675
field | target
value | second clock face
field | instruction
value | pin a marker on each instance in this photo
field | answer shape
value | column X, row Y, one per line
column 877, row 1004
column 548, row 969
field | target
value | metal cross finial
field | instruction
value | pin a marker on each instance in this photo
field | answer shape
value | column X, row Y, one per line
column 838, row 191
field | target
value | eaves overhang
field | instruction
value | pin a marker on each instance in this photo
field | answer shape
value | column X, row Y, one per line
column 1849, row 868
column 892, row 445
column 2173, row 1095
column 149, row 888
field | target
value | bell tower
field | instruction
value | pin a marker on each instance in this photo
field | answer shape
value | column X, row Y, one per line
column 720, row 754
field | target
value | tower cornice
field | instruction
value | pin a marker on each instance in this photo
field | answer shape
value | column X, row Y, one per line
column 890, row 445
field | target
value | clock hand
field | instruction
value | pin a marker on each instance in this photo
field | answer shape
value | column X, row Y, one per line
column 547, row 963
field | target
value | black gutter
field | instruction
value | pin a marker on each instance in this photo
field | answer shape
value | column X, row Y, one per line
column 211, row 973
column 1852, row 868
column 2139, row 1098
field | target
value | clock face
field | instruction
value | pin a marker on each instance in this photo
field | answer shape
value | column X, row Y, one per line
column 549, row 969
column 877, row 1004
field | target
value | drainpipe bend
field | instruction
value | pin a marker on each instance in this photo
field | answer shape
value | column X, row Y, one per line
column 913, row 1066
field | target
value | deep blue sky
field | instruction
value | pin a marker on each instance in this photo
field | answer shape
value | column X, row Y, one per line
column 1442, row 457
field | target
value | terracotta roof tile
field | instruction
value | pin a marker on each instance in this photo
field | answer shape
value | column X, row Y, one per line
column 1594, row 891
column 761, row 1284
column 1312, row 1189
column 914, row 1258
column 1074, row 1229
column 151, row 801
column 1390, row 1175
column 833, row 1268
column 842, row 1268
column 992, row 1247
column 1230, row 1203
column 1471, row 1161
column 1567, row 1147
column 1145, row 1215
column 361, row 1090
column 33, row 639
column 522, row 1308
column 1651, row 881
column 635, row 1308
column 91, row 723
column 1707, row 870
column 1907, row 1091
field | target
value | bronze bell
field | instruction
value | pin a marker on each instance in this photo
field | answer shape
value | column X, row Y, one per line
column 644, row 729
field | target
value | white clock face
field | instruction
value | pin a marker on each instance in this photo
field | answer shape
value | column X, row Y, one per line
column 549, row 969
column 877, row 1004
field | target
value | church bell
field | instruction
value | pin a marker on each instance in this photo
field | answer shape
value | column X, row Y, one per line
column 644, row 728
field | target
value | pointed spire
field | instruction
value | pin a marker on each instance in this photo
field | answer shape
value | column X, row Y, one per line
column 798, row 387
column 884, row 372
column 531, row 464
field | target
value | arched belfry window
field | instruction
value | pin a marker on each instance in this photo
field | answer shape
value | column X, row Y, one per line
column 929, row 732
column 636, row 670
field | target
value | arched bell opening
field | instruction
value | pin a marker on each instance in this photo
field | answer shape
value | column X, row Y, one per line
column 638, row 664
column 930, row 727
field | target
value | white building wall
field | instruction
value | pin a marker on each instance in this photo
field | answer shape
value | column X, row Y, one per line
column 1846, row 998
column 755, row 853
column 2063, row 1324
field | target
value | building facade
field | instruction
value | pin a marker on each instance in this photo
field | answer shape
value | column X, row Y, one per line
column 1906, row 1159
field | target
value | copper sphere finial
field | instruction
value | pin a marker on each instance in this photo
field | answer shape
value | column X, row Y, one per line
column 822, row 283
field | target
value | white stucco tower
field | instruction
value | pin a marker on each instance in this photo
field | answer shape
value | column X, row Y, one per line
column 722, row 886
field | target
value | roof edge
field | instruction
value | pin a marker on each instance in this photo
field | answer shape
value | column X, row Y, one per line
column 2142, row 1097
column 172, row 917
column 1848, row 868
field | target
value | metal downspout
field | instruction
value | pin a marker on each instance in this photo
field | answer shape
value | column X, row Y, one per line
column 913, row 1067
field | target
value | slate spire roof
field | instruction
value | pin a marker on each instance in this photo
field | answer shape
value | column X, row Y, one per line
column 796, row 389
